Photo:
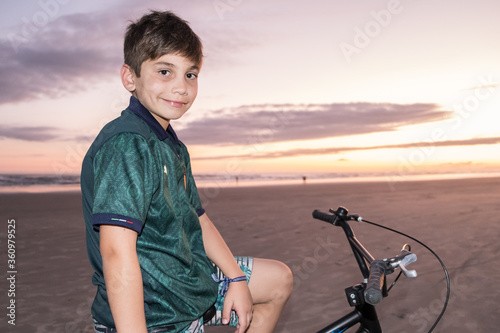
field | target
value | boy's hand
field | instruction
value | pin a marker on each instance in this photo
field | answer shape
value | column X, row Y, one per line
column 239, row 299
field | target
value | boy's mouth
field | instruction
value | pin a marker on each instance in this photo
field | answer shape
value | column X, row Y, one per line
column 175, row 104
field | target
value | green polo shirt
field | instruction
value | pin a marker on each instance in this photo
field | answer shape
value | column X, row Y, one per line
column 137, row 175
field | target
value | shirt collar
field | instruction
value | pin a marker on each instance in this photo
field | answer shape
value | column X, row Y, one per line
column 138, row 109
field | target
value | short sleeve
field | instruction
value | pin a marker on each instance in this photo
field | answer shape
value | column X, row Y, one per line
column 123, row 182
column 191, row 188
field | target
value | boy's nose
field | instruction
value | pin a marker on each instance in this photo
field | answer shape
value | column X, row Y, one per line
column 179, row 86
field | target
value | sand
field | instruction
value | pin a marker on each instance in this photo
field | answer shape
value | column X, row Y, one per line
column 457, row 218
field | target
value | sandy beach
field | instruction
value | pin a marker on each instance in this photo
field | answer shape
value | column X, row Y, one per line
column 456, row 218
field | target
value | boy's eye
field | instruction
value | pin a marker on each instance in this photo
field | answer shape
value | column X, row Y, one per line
column 191, row 76
column 164, row 72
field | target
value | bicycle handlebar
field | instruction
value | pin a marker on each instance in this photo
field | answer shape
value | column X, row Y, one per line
column 366, row 295
column 373, row 292
column 329, row 218
column 334, row 216
column 375, row 287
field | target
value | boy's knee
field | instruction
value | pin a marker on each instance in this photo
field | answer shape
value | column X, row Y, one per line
column 273, row 281
column 285, row 279
column 289, row 279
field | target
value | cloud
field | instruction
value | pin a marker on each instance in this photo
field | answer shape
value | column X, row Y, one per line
column 73, row 52
column 69, row 54
column 337, row 150
column 285, row 122
column 27, row 133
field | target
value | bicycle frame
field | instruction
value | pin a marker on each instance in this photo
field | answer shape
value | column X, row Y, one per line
column 363, row 314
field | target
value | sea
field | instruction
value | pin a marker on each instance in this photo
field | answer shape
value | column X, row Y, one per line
column 37, row 183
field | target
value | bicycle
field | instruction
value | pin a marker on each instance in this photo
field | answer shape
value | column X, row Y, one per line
column 366, row 295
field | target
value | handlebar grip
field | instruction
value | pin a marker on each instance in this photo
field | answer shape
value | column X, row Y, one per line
column 373, row 291
column 324, row 216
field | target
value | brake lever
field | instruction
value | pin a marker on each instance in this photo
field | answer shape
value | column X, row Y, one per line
column 405, row 262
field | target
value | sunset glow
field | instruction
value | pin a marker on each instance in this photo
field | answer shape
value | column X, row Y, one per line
column 303, row 87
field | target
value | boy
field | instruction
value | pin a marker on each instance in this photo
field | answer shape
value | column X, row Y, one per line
column 150, row 242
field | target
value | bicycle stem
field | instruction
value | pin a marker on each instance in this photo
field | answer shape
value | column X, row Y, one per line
column 363, row 257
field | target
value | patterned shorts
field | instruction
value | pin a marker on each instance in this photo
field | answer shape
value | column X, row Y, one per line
column 246, row 265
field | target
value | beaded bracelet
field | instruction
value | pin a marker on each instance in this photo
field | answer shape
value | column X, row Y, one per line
column 226, row 281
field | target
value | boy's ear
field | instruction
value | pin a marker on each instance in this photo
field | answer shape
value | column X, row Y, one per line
column 127, row 76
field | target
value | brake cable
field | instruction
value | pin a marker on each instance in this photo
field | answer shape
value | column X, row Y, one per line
column 359, row 219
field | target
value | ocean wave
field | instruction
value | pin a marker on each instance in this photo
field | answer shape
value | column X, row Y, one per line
column 33, row 180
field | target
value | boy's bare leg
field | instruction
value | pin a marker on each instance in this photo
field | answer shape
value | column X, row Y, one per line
column 270, row 285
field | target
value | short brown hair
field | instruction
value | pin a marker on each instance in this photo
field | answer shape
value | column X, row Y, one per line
column 157, row 34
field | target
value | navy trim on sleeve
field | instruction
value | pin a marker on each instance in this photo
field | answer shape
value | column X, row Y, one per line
column 200, row 212
column 99, row 219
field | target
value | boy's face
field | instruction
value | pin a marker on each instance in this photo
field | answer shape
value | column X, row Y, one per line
column 167, row 86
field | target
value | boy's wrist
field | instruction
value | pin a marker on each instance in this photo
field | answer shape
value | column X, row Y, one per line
column 226, row 281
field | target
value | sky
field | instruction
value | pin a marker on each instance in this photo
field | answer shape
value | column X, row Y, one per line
column 318, row 86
